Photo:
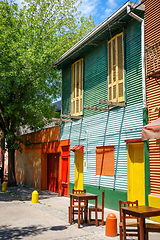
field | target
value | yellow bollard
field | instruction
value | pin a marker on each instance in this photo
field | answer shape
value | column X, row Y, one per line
column 35, row 197
column 4, row 186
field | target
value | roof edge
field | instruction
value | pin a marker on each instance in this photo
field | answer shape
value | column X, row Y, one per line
column 99, row 27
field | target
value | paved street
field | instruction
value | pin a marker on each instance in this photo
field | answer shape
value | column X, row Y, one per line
column 48, row 219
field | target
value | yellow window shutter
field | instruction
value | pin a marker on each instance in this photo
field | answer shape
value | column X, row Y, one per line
column 120, row 64
column 77, row 88
column 116, row 69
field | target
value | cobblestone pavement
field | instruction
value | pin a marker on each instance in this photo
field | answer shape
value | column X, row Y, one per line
column 48, row 219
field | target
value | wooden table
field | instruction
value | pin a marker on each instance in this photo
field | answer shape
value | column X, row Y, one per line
column 141, row 212
column 80, row 197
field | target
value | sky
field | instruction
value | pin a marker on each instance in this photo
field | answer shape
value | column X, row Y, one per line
column 98, row 9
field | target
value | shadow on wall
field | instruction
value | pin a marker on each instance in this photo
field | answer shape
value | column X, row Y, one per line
column 28, row 168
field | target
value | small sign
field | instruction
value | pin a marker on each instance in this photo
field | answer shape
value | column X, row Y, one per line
column 85, row 164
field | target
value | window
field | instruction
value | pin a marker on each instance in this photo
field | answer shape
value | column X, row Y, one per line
column 77, row 88
column 105, row 160
column 116, row 69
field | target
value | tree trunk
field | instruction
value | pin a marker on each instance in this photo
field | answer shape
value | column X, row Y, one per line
column 11, row 168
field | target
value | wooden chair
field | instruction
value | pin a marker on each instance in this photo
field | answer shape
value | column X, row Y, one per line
column 99, row 209
column 75, row 206
column 132, row 228
column 151, row 227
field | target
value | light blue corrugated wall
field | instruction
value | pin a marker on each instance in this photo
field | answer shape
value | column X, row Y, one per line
column 109, row 128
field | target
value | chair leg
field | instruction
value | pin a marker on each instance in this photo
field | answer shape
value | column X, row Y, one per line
column 73, row 214
column 102, row 218
column 120, row 233
column 85, row 214
column 81, row 215
column 139, row 235
column 69, row 214
column 146, row 236
column 89, row 220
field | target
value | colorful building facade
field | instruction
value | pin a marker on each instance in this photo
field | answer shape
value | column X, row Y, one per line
column 103, row 94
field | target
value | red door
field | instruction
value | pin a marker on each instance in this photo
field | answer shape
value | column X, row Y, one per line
column 64, row 179
column 53, row 171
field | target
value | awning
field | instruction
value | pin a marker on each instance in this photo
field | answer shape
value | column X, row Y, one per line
column 151, row 130
column 78, row 147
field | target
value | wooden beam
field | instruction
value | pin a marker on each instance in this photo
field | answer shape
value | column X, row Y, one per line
column 64, row 115
column 61, row 120
column 96, row 108
column 71, row 117
column 112, row 103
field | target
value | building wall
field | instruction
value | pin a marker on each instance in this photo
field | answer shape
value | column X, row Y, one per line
column 28, row 163
column 95, row 72
column 152, row 41
column 99, row 128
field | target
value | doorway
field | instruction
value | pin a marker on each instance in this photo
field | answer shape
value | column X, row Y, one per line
column 136, row 173
column 52, row 172
column 78, row 184
column 64, row 178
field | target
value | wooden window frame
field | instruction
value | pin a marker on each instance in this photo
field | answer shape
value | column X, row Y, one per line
column 77, row 88
column 115, row 70
column 105, row 160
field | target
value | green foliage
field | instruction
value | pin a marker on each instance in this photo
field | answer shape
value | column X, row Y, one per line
column 31, row 40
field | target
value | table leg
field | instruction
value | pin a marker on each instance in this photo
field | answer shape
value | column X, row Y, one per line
column 124, row 225
column 78, row 213
column 96, row 212
column 70, row 209
column 141, row 228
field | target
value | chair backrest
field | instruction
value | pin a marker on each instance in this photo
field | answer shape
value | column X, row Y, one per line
column 127, row 204
column 103, row 199
column 77, row 192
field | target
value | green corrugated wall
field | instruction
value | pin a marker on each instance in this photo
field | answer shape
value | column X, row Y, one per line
column 95, row 85
column 66, row 90
column 133, row 62
column 95, row 72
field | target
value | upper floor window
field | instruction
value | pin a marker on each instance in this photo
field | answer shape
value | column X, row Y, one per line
column 116, row 69
column 77, row 88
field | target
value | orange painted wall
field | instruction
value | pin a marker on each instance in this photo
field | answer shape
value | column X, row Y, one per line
column 29, row 163
column 45, row 135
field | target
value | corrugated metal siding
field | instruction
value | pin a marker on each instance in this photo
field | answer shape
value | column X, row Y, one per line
column 152, row 20
column 66, row 90
column 105, row 129
column 99, row 128
column 133, row 62
column 152, row 32
column 95, row 84
column 96, row 73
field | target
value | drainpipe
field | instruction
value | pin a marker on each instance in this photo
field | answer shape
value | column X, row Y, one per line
column 142, row 50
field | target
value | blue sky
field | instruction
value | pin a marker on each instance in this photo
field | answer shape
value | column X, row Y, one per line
column 99, row 9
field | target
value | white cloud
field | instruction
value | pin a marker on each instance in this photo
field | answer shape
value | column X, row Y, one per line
column 88, row 7
column 111, row 7
column 112, row 4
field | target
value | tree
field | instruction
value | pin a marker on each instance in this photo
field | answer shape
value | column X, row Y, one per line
column 31, row 39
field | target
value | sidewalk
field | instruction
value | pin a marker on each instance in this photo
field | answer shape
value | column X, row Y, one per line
column 46, row 220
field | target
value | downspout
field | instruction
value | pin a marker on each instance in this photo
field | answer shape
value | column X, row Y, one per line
column 142, row 51
column 145, row 110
